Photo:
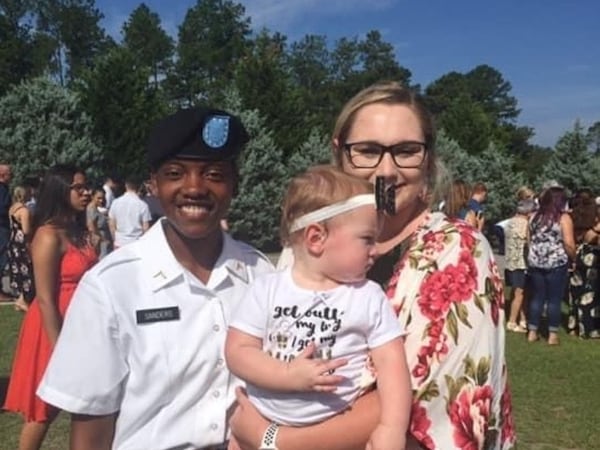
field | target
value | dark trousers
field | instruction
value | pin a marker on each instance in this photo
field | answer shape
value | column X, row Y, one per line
column 547, row 285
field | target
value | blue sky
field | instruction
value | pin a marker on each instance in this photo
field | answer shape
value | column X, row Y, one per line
column 549, row 50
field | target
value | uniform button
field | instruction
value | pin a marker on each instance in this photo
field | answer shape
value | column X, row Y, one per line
column 214, row 426
column 216, row 394
column 216, row 327
column 220, row 362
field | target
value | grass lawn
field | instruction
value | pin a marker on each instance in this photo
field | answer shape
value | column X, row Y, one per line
column 556, row 392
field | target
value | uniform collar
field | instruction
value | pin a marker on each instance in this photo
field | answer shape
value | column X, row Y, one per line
column 229, row 263
column 163, row 267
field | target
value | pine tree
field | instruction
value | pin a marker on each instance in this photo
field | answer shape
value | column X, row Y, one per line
column 571, row 164
column 455, row 159
column 212, row 39
column 315, row 150
column 255, row 211
column 42, row 124
column 124, row 106
column 73, row 35
column 144, row 36
column 495, row 167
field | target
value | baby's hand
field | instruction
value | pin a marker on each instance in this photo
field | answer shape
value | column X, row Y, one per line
column 385, row 437
column 308, row 374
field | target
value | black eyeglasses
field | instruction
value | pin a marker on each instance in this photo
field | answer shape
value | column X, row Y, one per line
column 368, row 155
column 80, row 188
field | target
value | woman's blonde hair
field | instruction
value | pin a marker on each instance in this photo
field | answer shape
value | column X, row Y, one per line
column 319, row 186
column 458, row 198
column 19, row 194
column 393, row 93
column 524, row 193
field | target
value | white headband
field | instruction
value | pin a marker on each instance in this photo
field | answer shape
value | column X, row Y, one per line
column 327, row 212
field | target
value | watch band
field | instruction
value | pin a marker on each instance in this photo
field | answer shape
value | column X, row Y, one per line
column 270, row 437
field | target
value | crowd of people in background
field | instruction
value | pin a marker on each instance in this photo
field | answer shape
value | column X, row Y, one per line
column 551, row 249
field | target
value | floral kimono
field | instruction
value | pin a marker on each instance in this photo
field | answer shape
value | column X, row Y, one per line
column 448, row 296
column 584, row 304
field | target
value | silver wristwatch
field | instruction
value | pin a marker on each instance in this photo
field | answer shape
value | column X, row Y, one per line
column 269, row 438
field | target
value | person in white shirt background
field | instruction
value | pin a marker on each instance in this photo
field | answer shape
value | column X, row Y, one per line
column 110, row 186
column 140, row 360
column 129, row 216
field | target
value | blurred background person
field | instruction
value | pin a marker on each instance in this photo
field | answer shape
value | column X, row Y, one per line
column 551, row 243
column 110, row 188
column 525, row 193
column 584, row 301
column 478, row 198
column 19, row 258
column 61, row 253
column 456, row 204
column 5, row 202
column 32, row 184
column 97, row 223
column 128, row 216
column 147, row 194
column 515, row 264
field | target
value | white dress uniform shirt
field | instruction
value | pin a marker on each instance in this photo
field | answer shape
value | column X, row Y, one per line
column 145, row 337
column 129, row 212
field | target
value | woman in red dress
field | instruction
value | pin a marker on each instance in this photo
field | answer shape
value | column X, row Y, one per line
column 61, row 253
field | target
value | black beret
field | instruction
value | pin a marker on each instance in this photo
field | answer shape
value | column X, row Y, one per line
column 196, row 133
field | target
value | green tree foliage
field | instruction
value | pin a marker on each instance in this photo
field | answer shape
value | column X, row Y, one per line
column 593, row 137
column 531, row 161
column 255, row 211
column 496, row 168
column 488, row 87
column 309, row 66
column 358, row 63
column 467, row 122
column 15, row 62
column 72, row 28
column 42, row 124
column 116, row 93
column 309, row 62
column 23, row 51
column 212, row 39
column 315, row 150
column 457, row 161
column 13, row 11
column 263, row 81
column 477, row 108
column 571, row 164
column 144, row 36
column 441, row 93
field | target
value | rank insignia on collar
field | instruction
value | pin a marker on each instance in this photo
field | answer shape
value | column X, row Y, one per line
column 239, row 268
column 159, row 274
column 216, row 131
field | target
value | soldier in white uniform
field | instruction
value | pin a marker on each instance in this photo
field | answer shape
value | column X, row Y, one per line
column 139, row 362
